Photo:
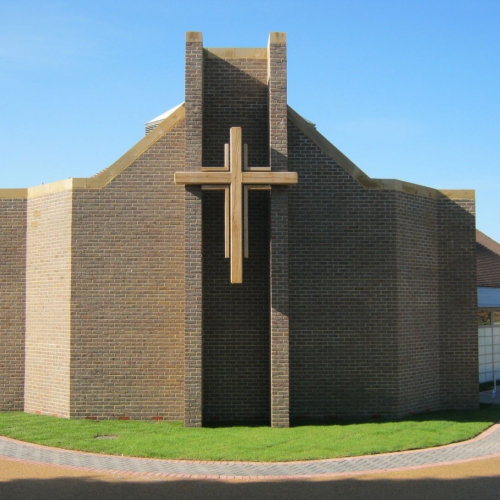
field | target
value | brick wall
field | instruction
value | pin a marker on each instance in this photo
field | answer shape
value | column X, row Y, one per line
column 12, row 302
column 236, row 347
column 236, row 317
column 234, row 95
column 128, row 291
column 417, row 268
column 48, row 298
column 343, row 291
column 458, row 302
column 382, row 296
column 355, row 302
column 278, row 161
column 192, row 233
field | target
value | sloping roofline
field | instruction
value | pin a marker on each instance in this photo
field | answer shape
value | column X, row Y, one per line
column 389, row 184
column 176, row 114
column 101, row 179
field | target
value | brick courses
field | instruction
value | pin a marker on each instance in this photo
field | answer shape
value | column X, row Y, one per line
column 12, row 302
column 192, row 233
column 234, row 95
column 370, row 290
column 236, row 342
column 127, row 342
column 343, row 290
column 417, row 243
column 236, row 321
column 48, row 304
column 278, row 161
column 458, row 304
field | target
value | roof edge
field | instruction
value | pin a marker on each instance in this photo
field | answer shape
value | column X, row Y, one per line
column 367, row 182
column 459, row 194
column 104, row 177
column 487, row 242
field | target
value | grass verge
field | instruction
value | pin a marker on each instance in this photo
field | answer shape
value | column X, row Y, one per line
column 301, row 442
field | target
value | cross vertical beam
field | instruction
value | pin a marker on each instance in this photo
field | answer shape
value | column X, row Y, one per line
column 236, row 206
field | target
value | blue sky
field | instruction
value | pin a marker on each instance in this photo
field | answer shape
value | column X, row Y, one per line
column 407, row 89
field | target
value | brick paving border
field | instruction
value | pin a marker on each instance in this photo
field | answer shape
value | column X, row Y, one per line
column 486, row 445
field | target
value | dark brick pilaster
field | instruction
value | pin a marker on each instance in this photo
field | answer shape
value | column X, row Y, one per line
column 277, row 95
column 194, row 100
column 280, row 372
column 278, row 160
column 193, row 233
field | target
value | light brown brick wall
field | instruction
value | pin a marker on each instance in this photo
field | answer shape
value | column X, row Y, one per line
column 12, row 302
column 48, row 298
column 128, row 291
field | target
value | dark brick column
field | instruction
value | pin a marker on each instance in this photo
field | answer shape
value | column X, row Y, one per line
column 193, row 233
column 278, row 160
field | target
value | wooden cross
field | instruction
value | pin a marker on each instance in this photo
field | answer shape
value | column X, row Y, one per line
column 235, row 181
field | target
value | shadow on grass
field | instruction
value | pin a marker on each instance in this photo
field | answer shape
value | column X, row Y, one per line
column 486, row 413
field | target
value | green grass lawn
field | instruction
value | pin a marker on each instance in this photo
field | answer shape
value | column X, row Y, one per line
column 253, row 443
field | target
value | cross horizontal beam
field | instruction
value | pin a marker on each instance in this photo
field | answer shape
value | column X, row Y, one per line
column 196, row 178
column 223, row 178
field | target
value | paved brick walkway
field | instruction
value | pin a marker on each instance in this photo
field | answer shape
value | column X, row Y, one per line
column 483, row 446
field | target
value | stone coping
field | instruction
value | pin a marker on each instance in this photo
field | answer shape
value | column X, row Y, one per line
column 13, row 194
column 235, row 53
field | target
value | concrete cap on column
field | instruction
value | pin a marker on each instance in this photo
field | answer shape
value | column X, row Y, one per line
column 277, row 37
column 194, row 36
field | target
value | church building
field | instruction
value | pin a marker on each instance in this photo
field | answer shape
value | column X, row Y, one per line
column 234, row 266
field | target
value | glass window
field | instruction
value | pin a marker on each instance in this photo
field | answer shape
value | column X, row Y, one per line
column 484, row 318
column 496, row 317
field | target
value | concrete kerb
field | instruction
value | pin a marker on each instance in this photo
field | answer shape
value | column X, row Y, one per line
column 484, row 446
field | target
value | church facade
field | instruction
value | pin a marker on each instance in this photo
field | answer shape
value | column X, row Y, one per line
column 234, row 266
